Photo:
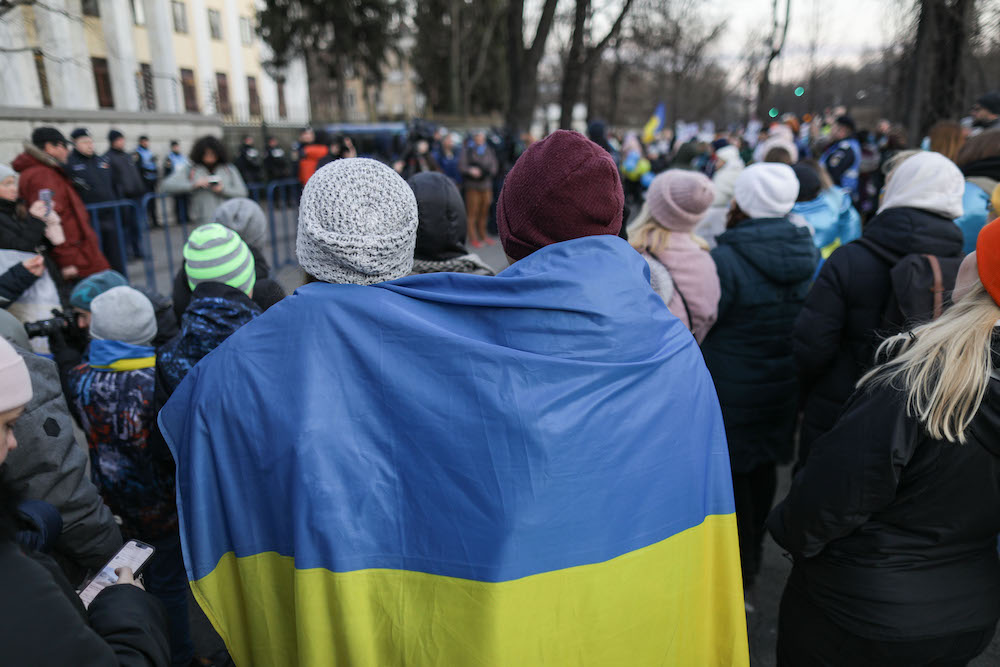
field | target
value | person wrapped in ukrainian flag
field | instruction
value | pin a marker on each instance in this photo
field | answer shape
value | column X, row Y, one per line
column 453, row 469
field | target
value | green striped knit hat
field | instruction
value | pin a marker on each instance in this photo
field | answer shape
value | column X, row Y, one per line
column 215, row 254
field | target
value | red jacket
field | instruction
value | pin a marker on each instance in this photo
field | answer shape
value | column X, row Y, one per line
column 39, row 171
column 309, row 157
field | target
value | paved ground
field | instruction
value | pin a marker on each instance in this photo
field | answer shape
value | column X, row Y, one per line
column 761, row 625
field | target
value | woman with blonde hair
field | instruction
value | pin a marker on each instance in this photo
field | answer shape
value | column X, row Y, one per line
column 893, row 521
column 664, row 234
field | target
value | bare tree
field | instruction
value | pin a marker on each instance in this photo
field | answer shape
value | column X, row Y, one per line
column 582, row 60
column 522, row 63
column 779, row 31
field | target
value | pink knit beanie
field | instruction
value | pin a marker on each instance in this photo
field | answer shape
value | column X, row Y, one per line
column 15, row 383
column 678, row 199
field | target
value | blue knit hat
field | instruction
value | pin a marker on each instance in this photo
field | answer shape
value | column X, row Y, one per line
column 92, row 286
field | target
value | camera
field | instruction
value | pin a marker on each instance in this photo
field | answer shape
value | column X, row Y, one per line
column 59, row 322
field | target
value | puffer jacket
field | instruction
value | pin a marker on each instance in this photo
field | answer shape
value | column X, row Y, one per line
column 46, row 625
column 203, row 201
column 832, row 217
column 981, row 179
column 49, row 465
column 764, row 268
column 840, row 326
column 41, row 171
column 894, row 533
column 116, row 413
column 215, row 312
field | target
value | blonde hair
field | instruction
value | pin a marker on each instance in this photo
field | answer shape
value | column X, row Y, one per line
column 943, row 366
column 645, row 234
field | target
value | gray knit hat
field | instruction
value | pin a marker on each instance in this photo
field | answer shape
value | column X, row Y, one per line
column 123, row 314
column 6, row 172
column 357, row 223
column 246, row 218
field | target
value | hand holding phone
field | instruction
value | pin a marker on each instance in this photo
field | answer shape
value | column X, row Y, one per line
column 46, row 196
column 129, row 560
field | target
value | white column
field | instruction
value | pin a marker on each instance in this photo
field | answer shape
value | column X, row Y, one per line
column 17, row 65
column 203, row 52
column 237, row 72
column 67, row 66
column 116, row 20
column 166, row 76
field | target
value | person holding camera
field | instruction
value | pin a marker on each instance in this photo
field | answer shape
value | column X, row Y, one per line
column 124, row 625
column 478, row 165
column 210, row 179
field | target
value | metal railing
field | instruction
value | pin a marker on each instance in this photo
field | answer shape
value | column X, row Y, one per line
column 128, row 221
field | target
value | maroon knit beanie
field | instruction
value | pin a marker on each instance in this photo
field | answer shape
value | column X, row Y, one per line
column 563, row 187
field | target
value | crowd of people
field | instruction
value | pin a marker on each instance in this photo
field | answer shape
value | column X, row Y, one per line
column 414, row 459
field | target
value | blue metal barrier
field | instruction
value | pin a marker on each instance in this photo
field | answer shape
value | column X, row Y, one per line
column 124, row 210
column 280, row 199
column 180, row 217
column 258, row 192
column 284, row 193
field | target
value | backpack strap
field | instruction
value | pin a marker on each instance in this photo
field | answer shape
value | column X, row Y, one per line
column 687, row 310
column 938, row 288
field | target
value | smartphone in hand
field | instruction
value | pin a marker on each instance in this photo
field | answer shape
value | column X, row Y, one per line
column 134, row 554
column 46, row 196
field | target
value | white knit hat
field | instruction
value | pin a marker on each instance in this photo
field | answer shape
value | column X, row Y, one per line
column 357, row 223
column 15, row 383
column 123, row 314
column 766, row 190
column 6, row 172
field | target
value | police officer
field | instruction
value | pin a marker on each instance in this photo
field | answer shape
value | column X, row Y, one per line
column 91, row 176
column 249, row 162
column 276, row 163
column 145, row 161
column 843, row 157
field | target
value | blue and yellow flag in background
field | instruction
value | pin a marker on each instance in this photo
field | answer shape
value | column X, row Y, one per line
column 654, row 124
column 463, row 470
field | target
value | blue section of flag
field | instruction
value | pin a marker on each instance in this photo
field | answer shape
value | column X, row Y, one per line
column 487, row 428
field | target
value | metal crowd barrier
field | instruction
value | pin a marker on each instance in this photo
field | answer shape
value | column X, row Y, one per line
column 279, row 199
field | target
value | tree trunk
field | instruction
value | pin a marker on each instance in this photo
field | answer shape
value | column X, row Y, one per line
column 777, row 44
column 918, row 71
column 573, row 70
column 522, row 64
column 614, row 91
column 455, row 56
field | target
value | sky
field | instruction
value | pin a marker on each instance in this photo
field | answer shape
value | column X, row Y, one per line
column 843, row 29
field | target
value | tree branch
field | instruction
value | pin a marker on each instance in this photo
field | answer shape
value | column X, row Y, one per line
column 534, row 54
column 595, row 51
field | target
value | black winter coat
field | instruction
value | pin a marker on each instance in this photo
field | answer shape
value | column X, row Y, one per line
column 91, row 177
column 45, row 623
column 27, row 234
column 894, row 533
column 840, row 326
column 764, row 269
column 13, row 283
column 125, row 175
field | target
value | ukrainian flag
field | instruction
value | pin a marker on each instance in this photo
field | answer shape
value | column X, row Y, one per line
column 463, row 470
column 655, row 122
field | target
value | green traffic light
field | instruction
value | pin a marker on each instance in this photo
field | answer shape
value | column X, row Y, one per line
column 800, row 91
column 773, row 113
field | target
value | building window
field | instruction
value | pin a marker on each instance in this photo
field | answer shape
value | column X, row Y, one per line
column 138, row 12
column 252, row 96
column 246, row 31
column 102, row 80
column 43, row 78
column 282, row 109
column 90, row 8
column 148, row 95
column 350, row 99
column 180, row 17
column 222, row 90
column 190, row 91
column 215, row 24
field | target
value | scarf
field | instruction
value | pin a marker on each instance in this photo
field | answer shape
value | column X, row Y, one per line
column 116, row 356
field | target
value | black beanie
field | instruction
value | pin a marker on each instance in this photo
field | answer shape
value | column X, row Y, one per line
column 990, row 102
column 114, row 135
column 47, row 135
column 809, row 185
column 79, row 132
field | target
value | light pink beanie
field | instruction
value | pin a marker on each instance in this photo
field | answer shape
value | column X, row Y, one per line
column 15, row 383
column 679, row 199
